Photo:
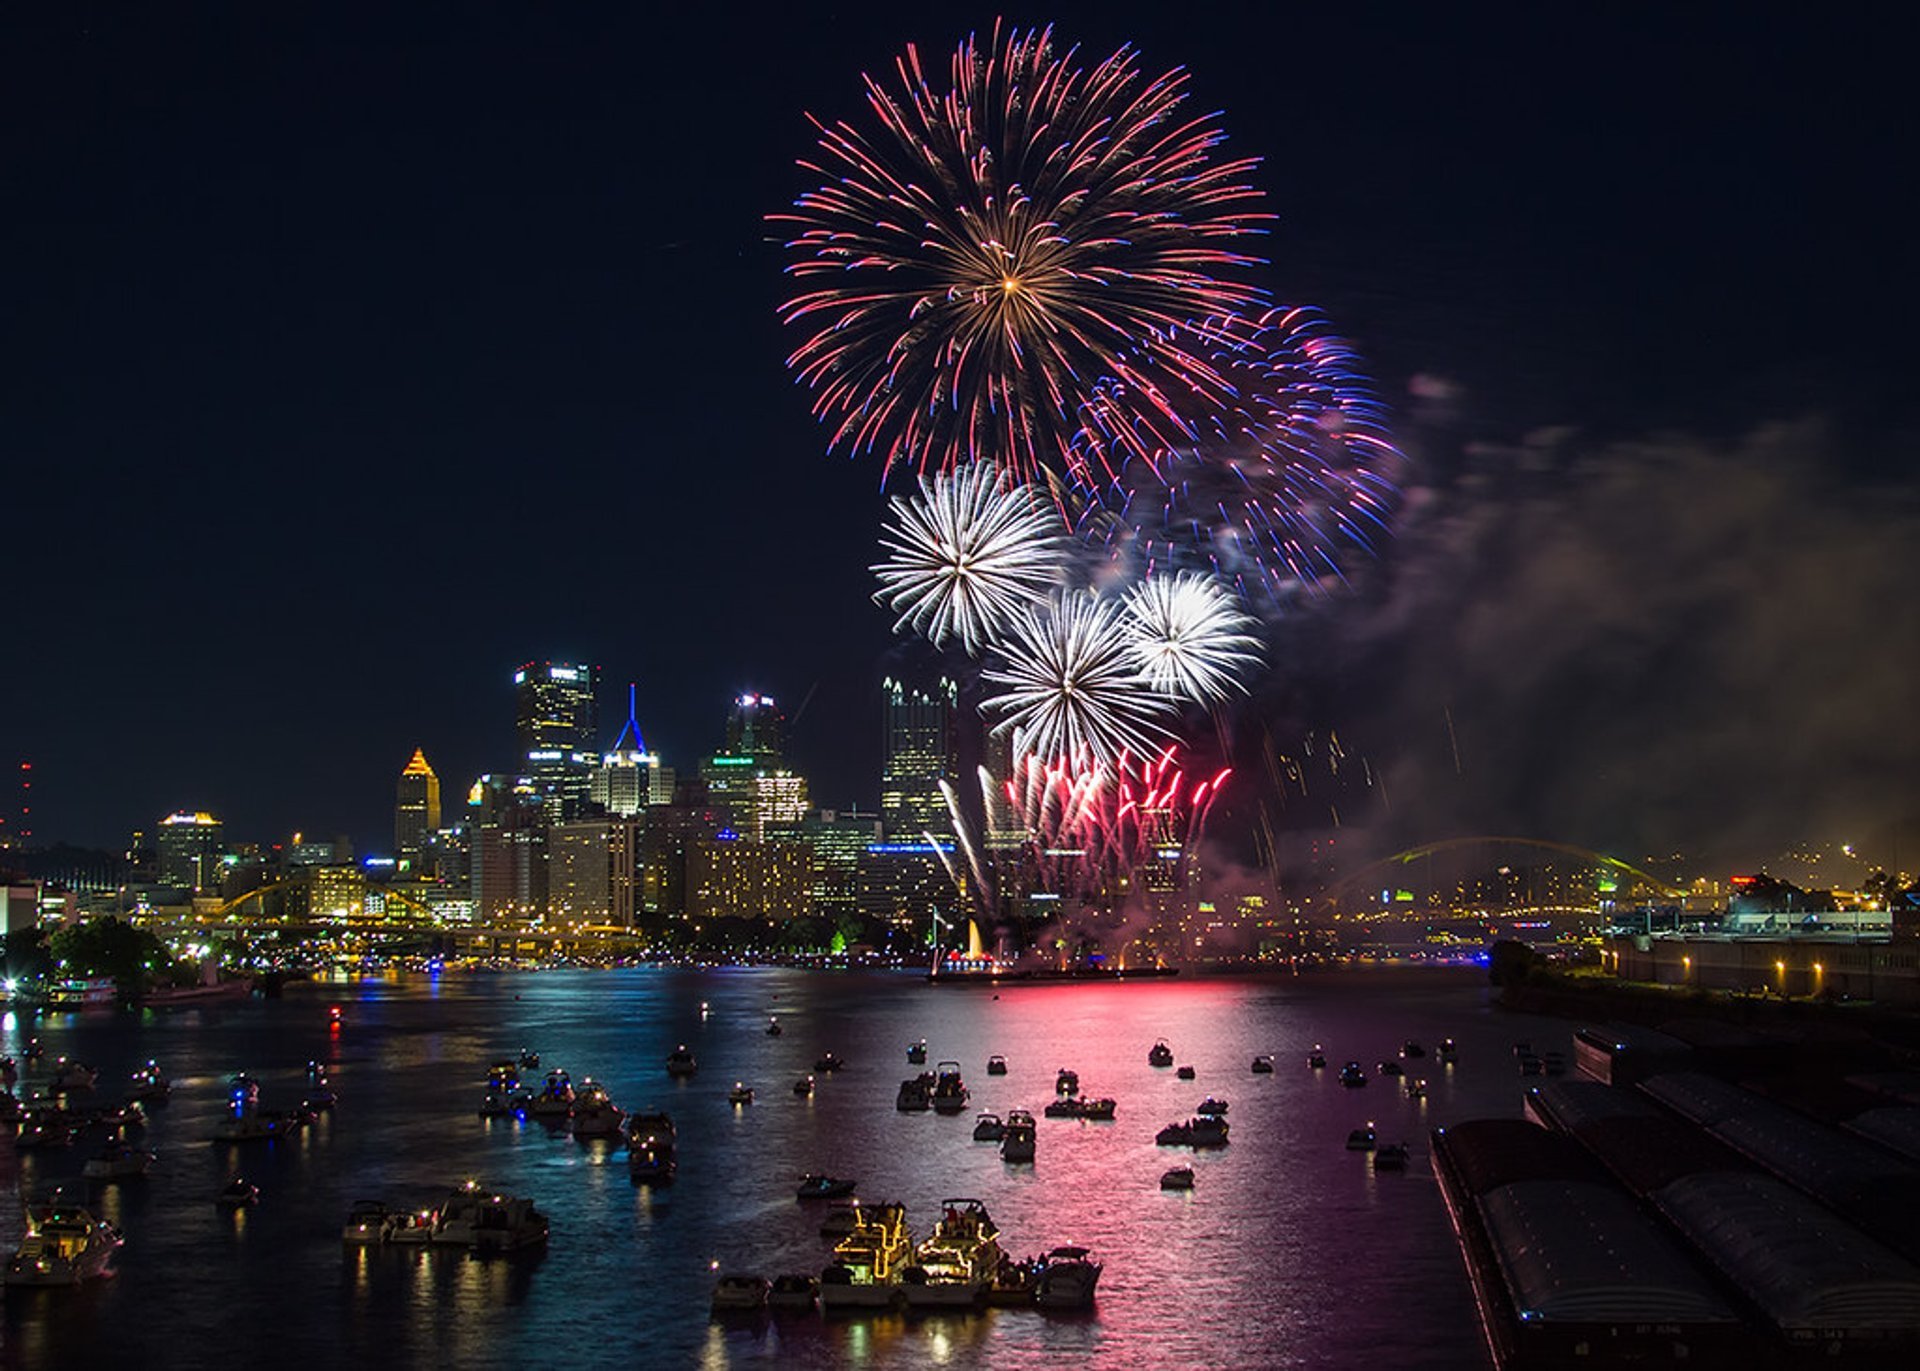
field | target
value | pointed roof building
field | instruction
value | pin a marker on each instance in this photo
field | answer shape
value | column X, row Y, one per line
column 416, row 811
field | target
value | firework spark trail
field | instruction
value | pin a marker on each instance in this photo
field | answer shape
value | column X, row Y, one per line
column 1068, row 685
column 976, row 258
column 1188, row 636
column 967, row 553
column 1270, row 481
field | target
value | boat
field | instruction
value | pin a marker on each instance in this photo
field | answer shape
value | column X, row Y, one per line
column 740, row 1094
column 988, row 1128
column 1416, row 1089
column 953, row 1266
column 118, row 1161
column 1017, row 1139
column 507, row 1223
column 1211, row 1107
column 827, row 1062
column 1160, row 1054
column 1361, row 1139
column 64, row 1245
column 1317, row 1060
column 367, row 1225
column 10, row 1071
column 651, row 1161
column 1097, row 1111
column 257, row 1126
column 1063, row 1107
column 1012, row 1282
column 1390, row 1067
column 1179, row 1178
column 1204, row 1131
column 650, row 1125
column 1185, row 1073
column 950, row 1093
column 774, row 1029
column 865, row 1272
column 504, row 1076
column 680, row 1062
column 917, row 1053
column 1412, row 1050
column 495, row 1105
column 410, row 1228
column 69, row 1076
column 740, row 1294
column 1353, row 1075
column 43, row 1129
column 529, row 1059
column 321, row 1096
column 915, row 1094
column 1531, row 1065
column 238, row 1193
column 451, row 1225
column 797, row 1293
column 803, row 1087
column 1263, row 1065
column 149, row 1083
column 595, row 1115
column 840, row 1220
column 1067, row 1277
column 554, row 1100
column 1448, row 1052
column 816, row 1186
column 1390, row 1157
column 996, row 1065
column 11, row 1110
column 1067, row 1082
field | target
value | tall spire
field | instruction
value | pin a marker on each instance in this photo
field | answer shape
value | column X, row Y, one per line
column 631, row 729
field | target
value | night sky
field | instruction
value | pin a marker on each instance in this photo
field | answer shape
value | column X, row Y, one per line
column 355, row 354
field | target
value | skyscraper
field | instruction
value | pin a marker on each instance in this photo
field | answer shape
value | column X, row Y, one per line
column 629, row 778
column 748, row 778
column 416, row 811
column 920, row 753
column 189, row 849
column 556, row 717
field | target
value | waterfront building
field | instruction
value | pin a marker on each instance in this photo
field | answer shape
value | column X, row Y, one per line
column 416, row 810
column 593, row 871
column 731, row 876
column 836, row 840
column 336, row 894
column 907, row 885
column 510, row 872
column 670, row 831
column 188, row 847
column 447, row 856
column 630, row 778
column 920, row 753
column 556, row 718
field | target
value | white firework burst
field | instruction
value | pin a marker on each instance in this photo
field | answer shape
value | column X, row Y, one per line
column 968, row 554
column 1070, row 686
column 1188, row 636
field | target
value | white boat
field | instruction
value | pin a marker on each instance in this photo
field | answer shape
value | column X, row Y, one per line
column 797, row 1293
column 1068, row 1276
column 64, row 1245
column 952, row 1267
column 740, row 1294
column 1017, row 1140
column 950, row 1093
column 988, row 1128
column 118, row 1161
column 508, row 1223
column 594, row 1114
column 865, row 1272
column 680, row 1062
column 452, row 1223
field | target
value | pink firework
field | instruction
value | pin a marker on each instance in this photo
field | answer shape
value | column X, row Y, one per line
column 979, row 254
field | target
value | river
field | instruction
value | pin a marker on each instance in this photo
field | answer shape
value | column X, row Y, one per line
column 1288, row 1252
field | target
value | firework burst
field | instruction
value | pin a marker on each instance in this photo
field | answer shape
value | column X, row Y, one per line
column 1070, row 685
column 967, row 554
column 1273, row 486
column 973, row 261
column 1189, row 636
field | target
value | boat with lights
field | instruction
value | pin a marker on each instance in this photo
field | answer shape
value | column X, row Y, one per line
column 554, row 1099
column 1017, row 1138
column 988, row 1128
column 595, row 1115
column 740, row 1294
column 1160, row 1054
column 865, row 1272
column 952, row 1267
column 64, row 1245
column 367, row 1225
column 680, row 1062
column 118, row 1161
column 1067, row 1277
column 950, row 1093
column 815, row 1186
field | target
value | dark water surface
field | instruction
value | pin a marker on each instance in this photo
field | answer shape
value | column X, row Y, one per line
column 1289, row 1251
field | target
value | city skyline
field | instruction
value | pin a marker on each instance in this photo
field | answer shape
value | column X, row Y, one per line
column 1646, row 366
